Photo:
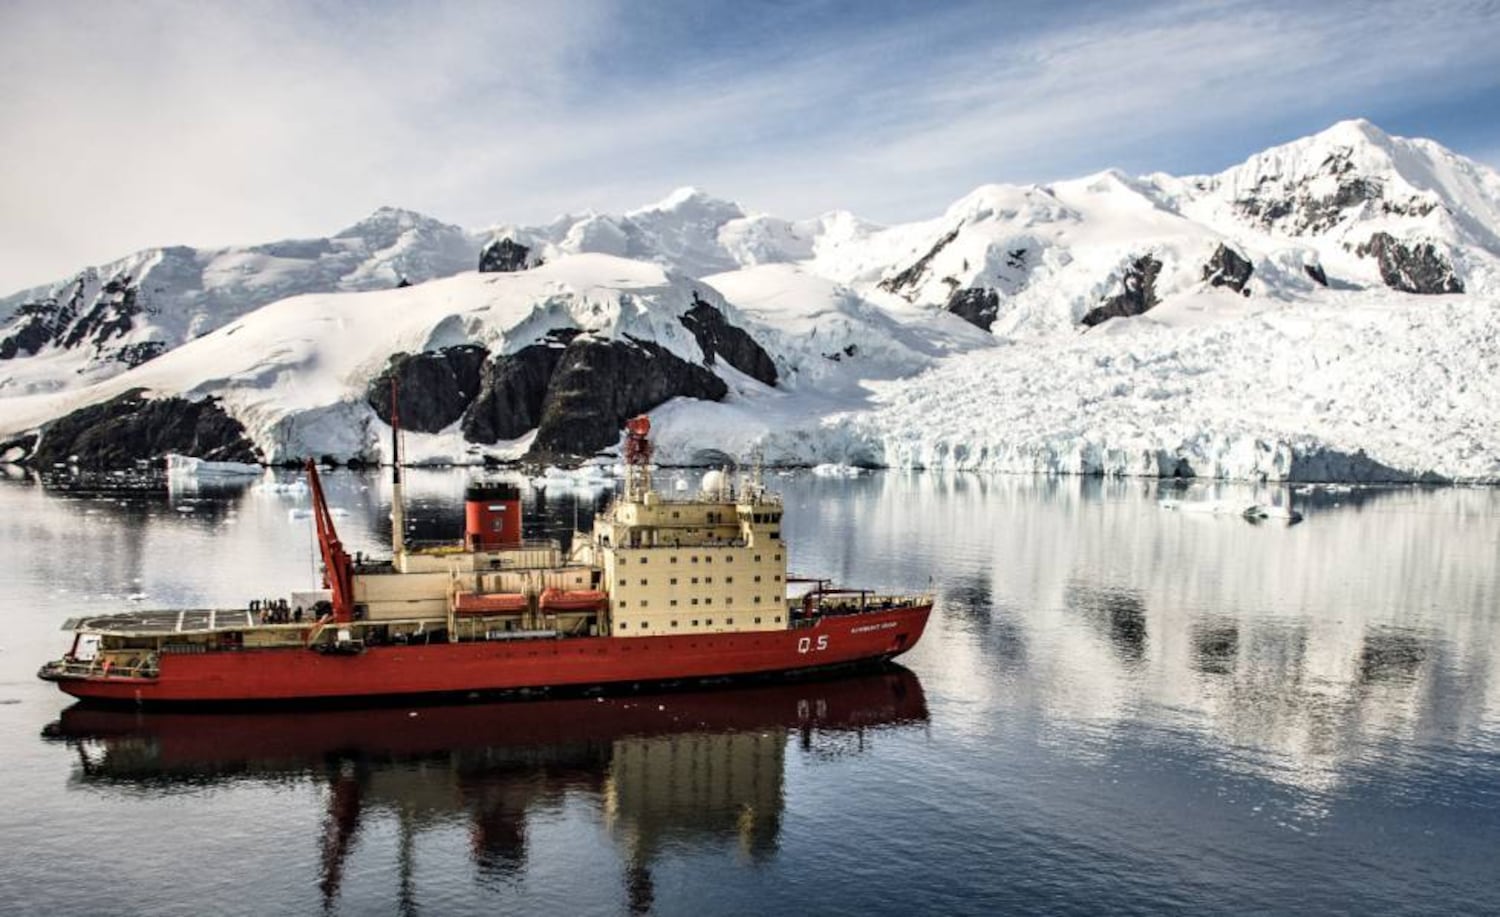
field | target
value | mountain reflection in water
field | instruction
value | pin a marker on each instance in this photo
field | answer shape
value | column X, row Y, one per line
column 665, row 768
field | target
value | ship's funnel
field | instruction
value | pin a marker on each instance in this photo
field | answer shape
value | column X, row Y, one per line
column 492, row 516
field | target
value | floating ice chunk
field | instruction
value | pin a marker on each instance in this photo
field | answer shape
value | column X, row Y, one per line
column 830, row 470
column 185, row 466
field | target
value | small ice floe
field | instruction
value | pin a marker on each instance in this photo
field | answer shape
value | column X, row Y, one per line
column 282, row 488
column 183, row 509
column 292, row 515
column 137, row 597
column 831, row 470
column 1232, row 508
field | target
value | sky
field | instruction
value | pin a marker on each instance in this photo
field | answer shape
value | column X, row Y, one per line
column 162, row 122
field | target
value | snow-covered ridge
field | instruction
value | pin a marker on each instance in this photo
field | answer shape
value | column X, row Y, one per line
column 1325, row 310
column 113, row 316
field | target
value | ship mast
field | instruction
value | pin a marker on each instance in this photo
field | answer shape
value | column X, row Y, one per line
column 637, row 458
column 398, row 501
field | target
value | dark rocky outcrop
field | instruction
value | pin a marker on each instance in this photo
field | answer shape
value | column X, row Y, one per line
column 504, row 256
column 512, row 391
column 1316, row 273
column 434, row 388
column 598, row 384
column 129, row 427
column 1292, row 206
column 975, row 305
column 76, row 318
column 1411, row 268
column 1137, row 293
column 905, row 283
column 1228, row 268
column 718, row 338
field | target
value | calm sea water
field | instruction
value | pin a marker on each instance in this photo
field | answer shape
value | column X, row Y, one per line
column 1116, row 709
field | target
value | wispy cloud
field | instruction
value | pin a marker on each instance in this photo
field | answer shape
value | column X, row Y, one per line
column 140, row 124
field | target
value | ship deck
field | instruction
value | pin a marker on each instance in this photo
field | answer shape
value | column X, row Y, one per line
column 170, row 621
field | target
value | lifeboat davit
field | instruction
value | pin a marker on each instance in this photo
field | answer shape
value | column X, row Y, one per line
column 488, row 603
column 573, row 600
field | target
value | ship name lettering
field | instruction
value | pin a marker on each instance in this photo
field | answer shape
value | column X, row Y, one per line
column 869, row 627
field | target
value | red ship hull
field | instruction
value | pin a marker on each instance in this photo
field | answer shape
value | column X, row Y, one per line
column 282, row 675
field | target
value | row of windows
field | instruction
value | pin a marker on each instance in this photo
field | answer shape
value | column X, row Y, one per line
column 707, row 558
column 706, row 600
column 707, row 622
column 708, row 580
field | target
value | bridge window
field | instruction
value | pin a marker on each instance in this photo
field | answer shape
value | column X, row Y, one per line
column 729, row 579
column 622, row 581
column 757, row 620
column 645, row 625
column 709, row 622
column 643, row 582
column 674, row 622
column 674, row 581
column 708, row 579
column 777, row 619
column 624, row 625
column 695, row 622
column 673, row 603
column 756, row 600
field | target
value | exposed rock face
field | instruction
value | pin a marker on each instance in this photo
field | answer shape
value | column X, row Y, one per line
column 504, row 256
column 512, row 390
column 434, row 389
column 599, row 384
column 1316, row 273
column 718, row 337
column 1294, row 208
column 116, row 433
column 1411, row 268
column 1228, row 268
column 77, row 318
column 907, row 280
column 976, row 305
column 1137, row 294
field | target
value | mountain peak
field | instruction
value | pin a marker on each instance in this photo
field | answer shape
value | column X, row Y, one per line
column 387, row 220
column 689, row 199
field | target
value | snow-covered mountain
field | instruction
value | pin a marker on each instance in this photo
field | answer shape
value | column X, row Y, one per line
column 1328, row 309
column 111, row 317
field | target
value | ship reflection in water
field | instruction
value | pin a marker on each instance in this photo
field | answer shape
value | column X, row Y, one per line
column 680, row 767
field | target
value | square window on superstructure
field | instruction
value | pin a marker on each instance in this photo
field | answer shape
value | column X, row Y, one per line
column 776, row 578
column 624, row 624
column 674, row 622
column 673, row 603
column 756, row 600
column 695, row 558
column 728, row 558
column 729, row 622
column 695, row 622
column 709, row 622
column 708, row 579
column 695, row 581
column 622, row 581
column 643, row 582
column 674, row 581
column 757, row 558
column 708, row 558
column 757, row 577
column 757, row 620
column 776, row 620
column 778, row 557
column 729, row 579
column 695, row 601
column 673, row 558
column 645, row 625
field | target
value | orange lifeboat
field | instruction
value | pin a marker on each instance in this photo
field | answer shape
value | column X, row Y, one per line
column 555, row 600
column 489, row 603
